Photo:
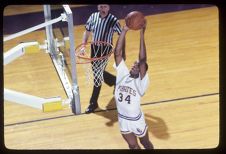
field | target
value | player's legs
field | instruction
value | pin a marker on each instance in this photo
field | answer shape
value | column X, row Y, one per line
column 140, row 128
column 131, row 139
column 146, row 142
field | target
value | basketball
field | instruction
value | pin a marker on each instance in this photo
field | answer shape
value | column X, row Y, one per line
column 135, row 20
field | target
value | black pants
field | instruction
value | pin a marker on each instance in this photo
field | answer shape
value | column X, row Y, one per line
column 109, row 79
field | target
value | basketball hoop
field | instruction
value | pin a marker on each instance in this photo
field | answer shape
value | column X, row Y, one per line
column 94, row 56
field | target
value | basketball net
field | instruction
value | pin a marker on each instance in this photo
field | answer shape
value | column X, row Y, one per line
column 94, row 56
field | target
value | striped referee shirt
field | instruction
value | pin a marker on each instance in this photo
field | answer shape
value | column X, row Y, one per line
column 103, row 28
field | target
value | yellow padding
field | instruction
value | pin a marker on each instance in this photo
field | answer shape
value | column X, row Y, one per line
column 32, row 49
column 67, row 44
column 52, row 106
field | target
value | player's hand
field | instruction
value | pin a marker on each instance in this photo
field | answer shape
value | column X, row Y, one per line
column 125, row 27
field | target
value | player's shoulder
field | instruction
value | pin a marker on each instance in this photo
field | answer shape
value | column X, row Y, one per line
column 122, row 64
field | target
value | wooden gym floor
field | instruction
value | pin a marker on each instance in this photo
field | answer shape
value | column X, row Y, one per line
column 181, row 105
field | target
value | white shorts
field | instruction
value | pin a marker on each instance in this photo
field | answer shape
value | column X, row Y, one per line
column 136, row 126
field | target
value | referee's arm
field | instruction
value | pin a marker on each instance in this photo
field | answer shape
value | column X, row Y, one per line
column 87, row 32
column 86, row 36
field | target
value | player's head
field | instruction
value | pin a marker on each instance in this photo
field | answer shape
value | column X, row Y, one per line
column 135, row 70
column 103, row 9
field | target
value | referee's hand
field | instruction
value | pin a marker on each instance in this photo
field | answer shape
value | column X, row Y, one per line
column 83, row 50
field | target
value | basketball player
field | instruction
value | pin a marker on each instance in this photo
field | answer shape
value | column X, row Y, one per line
column 102, row 25
column 130, row 87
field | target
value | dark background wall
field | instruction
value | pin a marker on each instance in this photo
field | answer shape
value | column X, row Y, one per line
column 16, row 23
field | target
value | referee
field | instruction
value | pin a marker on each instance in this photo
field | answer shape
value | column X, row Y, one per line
column 102, row 25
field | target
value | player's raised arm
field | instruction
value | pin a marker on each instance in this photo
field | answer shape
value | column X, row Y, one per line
column 142, row 54
column 119, row 45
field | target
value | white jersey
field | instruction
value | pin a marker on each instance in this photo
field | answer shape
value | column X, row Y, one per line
column 128, row 92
